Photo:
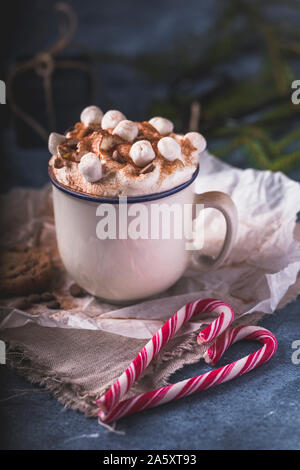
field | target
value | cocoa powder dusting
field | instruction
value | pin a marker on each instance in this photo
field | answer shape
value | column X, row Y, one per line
column 147, row 131
column 187, row 148
column 86, row 139
column 84, row 146
column 114, row 153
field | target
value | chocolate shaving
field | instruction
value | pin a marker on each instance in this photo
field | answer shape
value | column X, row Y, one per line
column 64, row 151
column 86, row 131
column 58, row 163
column 147, row 169
column 123, row 150
column 80, row 130
column 117, row 157
column 72, row 143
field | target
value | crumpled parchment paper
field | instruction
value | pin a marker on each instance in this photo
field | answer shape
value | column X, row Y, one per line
column 263, row 265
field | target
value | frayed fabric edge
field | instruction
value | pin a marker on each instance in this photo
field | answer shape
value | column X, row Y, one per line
column 71, row 395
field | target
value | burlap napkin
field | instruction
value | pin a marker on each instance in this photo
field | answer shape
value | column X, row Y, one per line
column 77, row 365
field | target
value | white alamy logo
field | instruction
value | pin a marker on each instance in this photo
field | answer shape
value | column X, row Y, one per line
column 296, row 354
column 2, row 352
column 296, row 94
column 152, row 222
column 2, row 92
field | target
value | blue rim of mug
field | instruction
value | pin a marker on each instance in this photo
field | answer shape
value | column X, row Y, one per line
column 131, row 199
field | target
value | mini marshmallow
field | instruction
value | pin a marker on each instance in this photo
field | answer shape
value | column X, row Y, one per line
column 142, row 153
column 169, row 148
column 111, row 119
column 54, row 140
column 91, row 115
column 197, row 140
column 90, row 167
column 127, row 130
column 162, row 125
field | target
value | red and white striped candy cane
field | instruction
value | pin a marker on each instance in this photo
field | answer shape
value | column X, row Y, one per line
column 207, row 380
column 233, row 335
column 121, row 386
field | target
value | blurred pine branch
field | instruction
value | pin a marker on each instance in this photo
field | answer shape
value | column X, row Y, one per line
column 252, row 113
column 247, row 110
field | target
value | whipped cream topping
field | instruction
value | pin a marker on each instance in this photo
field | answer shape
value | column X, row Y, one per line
column 110, row 156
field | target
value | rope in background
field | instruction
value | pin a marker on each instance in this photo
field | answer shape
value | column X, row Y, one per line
column 44, row 64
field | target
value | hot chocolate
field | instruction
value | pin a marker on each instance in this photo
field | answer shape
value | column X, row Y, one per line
column 124, row 251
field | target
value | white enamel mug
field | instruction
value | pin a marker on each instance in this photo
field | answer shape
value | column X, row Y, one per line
column 125, row 270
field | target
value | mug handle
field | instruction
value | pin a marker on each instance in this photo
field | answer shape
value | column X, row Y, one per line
column 224, row 203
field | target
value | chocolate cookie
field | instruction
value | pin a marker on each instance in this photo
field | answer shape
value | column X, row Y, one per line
column 24, row 271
